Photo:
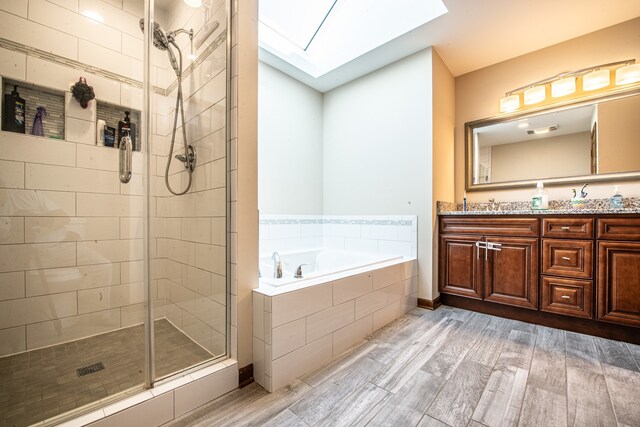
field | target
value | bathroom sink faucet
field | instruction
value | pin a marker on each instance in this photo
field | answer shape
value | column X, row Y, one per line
column 277, row 266
column 492, row 204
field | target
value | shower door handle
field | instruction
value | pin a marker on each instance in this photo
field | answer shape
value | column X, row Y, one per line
column 125, row 154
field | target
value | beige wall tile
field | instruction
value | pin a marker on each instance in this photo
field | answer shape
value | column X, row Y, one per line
column 13, row 64
column 66, row 229
column 131, row 228
column 96, row 156
column 35, row 256
column 410, row 269
column 196, row 230
column 295, row 364
column 218, row 231
column 197, row 330
column 212, row 313
column 11, row 174
column 327, row 321
column 11, row 285
column 197, row 393
column 352, row 287
column 294, row 305
column 288, row 337
column 109, row 205
column 258, row 315
column 23, row 311
column 388, row 314
column 369, row 303
column 47, row 177
column 56, row 280
column 197, row 280
column 80, row 131
column 12, row 340
column 11, row 230
column 132, row 271
column 72, row 108
column 410, row 286
column 351, row 335
column 71, row 328
column 107, row 251
column 36, row 203
column 99, row 299
column 211, row 258
column 387, row 276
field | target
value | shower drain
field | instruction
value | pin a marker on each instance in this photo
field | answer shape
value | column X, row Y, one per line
column 90, row 369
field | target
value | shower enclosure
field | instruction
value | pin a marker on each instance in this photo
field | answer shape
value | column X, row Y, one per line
column 109, row 285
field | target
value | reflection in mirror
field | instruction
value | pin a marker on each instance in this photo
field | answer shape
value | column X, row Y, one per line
column 581, row 141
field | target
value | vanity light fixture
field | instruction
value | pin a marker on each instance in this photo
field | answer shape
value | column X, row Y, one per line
column 564, row 84
column 542, row 131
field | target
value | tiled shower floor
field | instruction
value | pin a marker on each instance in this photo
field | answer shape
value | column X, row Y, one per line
column 43, row 383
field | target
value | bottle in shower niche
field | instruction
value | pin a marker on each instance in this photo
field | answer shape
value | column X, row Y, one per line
column 13, row 113
column 126, row 128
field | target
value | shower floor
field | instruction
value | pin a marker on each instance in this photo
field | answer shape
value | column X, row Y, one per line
column 43, row 383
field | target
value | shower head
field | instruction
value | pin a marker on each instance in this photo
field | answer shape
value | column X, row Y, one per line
column 160, row 39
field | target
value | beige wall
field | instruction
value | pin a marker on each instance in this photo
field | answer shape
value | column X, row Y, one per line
column 443, row 153
column 477, row 95
column 619, row 135
column 565, row 155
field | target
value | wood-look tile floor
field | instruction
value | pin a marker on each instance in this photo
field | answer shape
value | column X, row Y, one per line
column 452, row 367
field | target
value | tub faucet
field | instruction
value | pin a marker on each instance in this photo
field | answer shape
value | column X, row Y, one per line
column 277, row 266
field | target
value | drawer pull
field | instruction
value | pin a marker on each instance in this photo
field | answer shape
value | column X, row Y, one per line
column 565, row 297
column 567, row 258
column 565, row 227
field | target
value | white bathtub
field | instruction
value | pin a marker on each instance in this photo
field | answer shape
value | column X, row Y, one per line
column 319, row 262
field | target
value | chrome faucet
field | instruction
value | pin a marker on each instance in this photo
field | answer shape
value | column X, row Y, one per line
column 492, row 204
column 277, row 266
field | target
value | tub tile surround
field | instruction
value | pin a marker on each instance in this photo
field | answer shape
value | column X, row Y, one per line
column 556, row 207
column 297, row 330
column 394, row 234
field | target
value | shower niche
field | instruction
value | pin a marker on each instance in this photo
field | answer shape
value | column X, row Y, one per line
column 112, row 115
column 34, row 97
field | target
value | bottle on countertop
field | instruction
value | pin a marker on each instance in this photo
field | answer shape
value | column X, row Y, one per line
column 540, row 198
column 616, row 201
column 13, row 113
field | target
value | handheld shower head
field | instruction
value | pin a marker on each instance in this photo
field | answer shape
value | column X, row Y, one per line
column 160, row 39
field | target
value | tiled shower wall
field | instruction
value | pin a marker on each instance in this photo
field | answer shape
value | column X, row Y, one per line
column 391, row 234
column 191, row 229
column 70, row 233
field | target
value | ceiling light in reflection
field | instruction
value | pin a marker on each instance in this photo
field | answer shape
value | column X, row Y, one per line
column 193, row 3
column 93, row 15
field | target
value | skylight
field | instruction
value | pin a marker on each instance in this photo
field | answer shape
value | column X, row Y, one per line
column 319, row 36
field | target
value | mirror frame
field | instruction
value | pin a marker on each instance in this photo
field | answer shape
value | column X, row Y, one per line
column 560, row 106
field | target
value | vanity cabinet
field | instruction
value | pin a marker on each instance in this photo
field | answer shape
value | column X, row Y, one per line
column 487, row 265
column 577, row 272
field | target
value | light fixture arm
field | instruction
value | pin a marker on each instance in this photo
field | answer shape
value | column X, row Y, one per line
column 575, row 73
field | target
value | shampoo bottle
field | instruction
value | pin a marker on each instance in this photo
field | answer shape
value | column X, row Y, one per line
column 13, row 113
column 616, row 201
column 540, row 199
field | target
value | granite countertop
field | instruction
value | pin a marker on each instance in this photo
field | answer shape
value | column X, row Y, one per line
column 556, row 207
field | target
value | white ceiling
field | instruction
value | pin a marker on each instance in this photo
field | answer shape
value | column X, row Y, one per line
column 477, row 33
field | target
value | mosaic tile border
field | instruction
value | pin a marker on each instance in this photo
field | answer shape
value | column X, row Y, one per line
column 335, row 221
column 631, row 205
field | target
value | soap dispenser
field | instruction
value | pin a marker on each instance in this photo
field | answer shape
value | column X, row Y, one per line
column 616, row 201
column 540, row 198
column 13, row 113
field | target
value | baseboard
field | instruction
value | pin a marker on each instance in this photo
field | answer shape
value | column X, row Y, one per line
column 429, row 304
column 245, row 375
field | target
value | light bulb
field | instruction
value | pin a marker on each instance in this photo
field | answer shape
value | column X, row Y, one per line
column 534, row 95
column 595, row 80
column 509, row 103
column 563, row 87
column 628, row 74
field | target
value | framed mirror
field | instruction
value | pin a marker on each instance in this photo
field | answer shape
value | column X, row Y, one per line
column 594, row 140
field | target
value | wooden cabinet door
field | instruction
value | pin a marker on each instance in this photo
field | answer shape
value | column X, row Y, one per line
column 618, row 286
column 459, row 266
column 511, row 274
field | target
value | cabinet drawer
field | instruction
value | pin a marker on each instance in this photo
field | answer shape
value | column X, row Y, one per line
column 572, row 228
column 571, row 297
column 572, row 258
column 619, row 228
column 516, row 227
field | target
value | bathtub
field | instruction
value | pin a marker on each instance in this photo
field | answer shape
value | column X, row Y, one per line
column 318, row 263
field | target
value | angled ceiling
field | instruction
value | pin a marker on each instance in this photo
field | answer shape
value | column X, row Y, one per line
column 474, row 34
